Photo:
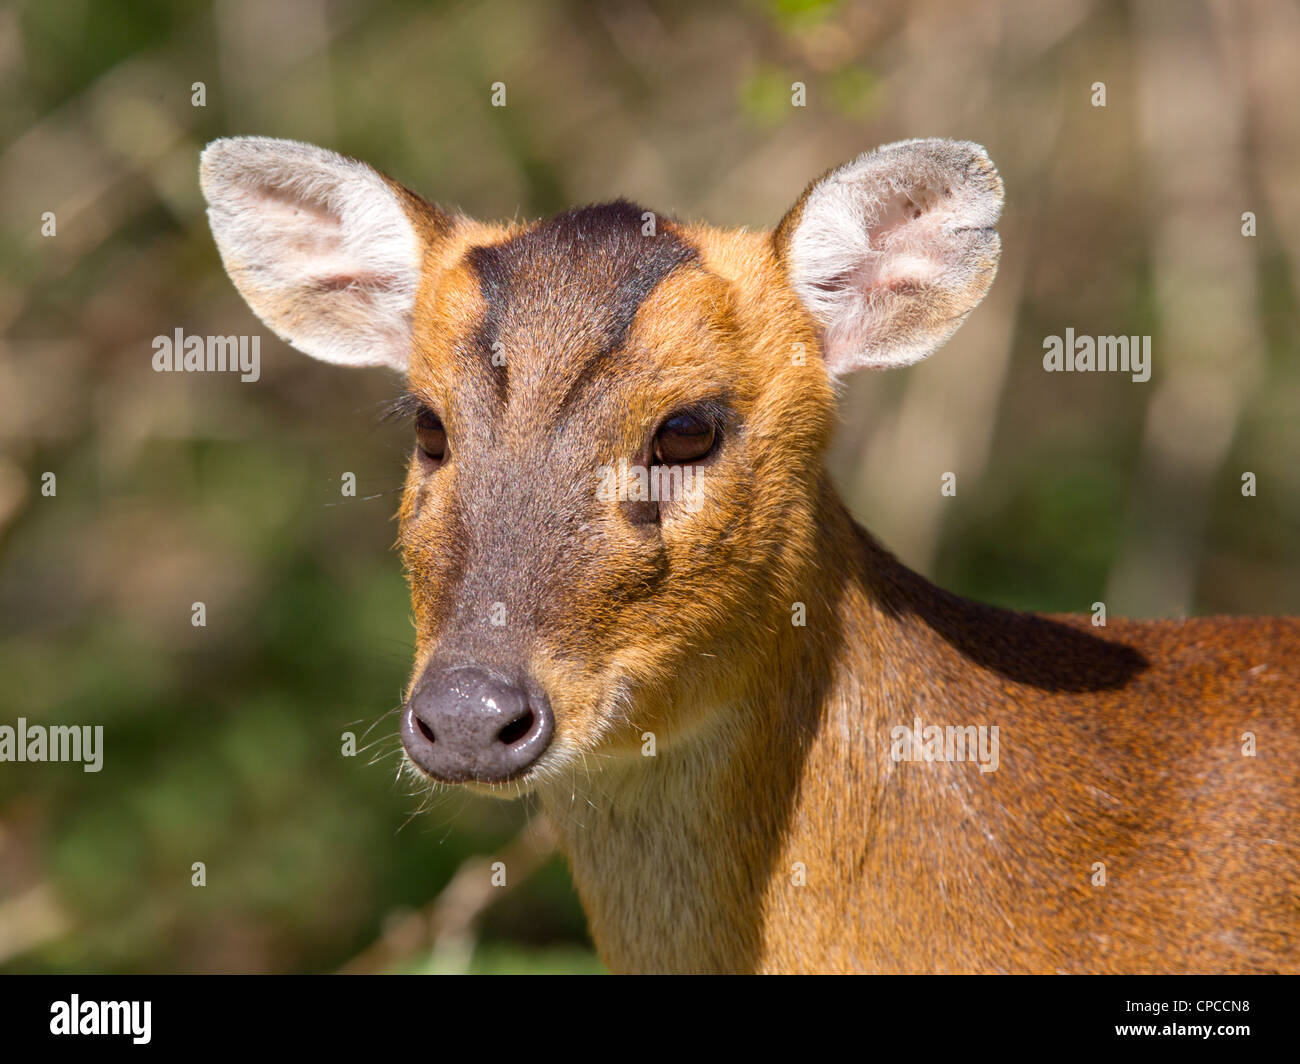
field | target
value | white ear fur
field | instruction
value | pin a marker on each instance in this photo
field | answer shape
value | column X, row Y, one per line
column 318, row 245
column 891, row 251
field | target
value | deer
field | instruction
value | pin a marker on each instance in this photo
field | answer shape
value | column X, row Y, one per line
column 726, row 700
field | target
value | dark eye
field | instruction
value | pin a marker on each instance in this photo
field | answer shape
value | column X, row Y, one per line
column 430, row 435
column 684, row 438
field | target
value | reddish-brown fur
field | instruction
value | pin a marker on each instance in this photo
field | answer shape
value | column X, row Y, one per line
column 772, row 831
column 1121, row 745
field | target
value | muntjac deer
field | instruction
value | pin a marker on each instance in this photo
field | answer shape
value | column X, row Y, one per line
column 767, row 746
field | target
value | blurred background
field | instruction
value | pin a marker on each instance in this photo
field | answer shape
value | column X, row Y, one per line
column 223, row 743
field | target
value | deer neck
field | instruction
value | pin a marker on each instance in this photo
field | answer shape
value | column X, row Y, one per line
column 679, row 858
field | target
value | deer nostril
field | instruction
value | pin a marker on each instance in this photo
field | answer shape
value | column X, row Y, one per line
column 467, row 724
column 518, row 728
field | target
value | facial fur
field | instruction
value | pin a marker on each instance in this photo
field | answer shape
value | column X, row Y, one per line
column 558, row 620
column 630, row 614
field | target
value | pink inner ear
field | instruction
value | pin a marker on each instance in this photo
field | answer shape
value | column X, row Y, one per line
column 912, row 233
column 271, row 197
column 906, row 243
column 894, row 273
column 361, row 283
column 299, row 226
column 899, row 210
column 891, row 251
column 321, row 248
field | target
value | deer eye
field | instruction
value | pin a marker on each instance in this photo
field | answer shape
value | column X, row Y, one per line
column 430, row 436
column 684, row 438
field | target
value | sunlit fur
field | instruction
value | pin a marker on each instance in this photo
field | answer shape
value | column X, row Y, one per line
column 771, row 831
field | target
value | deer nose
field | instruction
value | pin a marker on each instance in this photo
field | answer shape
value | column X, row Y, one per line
column 464, row 724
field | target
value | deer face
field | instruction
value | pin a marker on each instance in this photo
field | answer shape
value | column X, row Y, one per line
column 616, row 477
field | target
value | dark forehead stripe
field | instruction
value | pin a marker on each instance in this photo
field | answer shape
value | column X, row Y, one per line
column 587, row 271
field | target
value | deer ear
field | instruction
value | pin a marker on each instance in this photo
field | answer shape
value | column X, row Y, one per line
column 326, row 250
column 891, row 251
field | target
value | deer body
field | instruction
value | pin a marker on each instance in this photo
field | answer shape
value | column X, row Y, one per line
column 1120, row 745
column 706, row 692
